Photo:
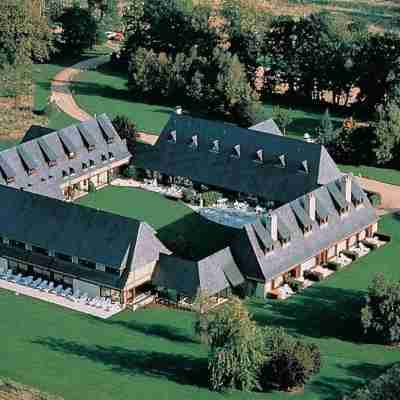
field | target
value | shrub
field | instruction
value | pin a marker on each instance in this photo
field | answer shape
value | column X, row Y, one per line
column 313, row 276
column 294, row 284
column 290, row 362
column 189, row 196
column 380, row 316
column 211, row 197
column 91, row 187
column 375, row 198
column 334, row 266
column 130, row 171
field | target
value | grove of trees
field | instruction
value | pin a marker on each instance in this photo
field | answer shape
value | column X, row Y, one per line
column 246, row 357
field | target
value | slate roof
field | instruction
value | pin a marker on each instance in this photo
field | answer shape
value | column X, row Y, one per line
column 238, row 159
column 267, row 126
column 248, row 248
column 211, row 274
column 42, row 164
column 35, row 132
column 76, row 230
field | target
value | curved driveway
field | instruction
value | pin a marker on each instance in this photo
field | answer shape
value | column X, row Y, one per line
column 60, row 87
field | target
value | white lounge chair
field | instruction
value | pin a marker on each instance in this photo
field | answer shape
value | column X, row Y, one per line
column 50, row 287
column 17, row 278
column 27, row 281
column 107, row 304
column 94, row 301
column 84, row 298
column 43, row 285
column 101, row 302
column 67, row 292
column 35, row 284
column 76, row 295
column 58, row 290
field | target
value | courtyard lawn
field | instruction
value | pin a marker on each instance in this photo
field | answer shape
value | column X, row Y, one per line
column 105, row 91
column 172, row 219
column 151, row 354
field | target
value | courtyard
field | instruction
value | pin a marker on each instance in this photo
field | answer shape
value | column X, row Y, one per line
column 152, row 353
column 178, row 227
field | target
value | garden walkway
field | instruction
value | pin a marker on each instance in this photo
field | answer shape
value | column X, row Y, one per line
column 60, row 87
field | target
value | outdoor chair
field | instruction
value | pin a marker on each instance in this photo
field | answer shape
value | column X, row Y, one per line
column 17, row 278
column 43, row 285
column 76, row 295
column 107, row 304
column 27, row 281
column 50, row 287
column 94, row 301
column 8, row 275
column 84, row 298
column 67, row 292
column 58, row 290
column 35, row 284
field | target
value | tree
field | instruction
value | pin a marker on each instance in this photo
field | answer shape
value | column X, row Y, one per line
column 24, row 32
column 79, row 29
column 387, row 133
column 290, row 363
column 283, row 117
column 126, row 130
column 236, row 346
column 326, row 132
column 385, row 387
column 381, row 314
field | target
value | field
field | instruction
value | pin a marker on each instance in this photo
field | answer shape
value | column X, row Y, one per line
column 172, row 220
column 152, row 353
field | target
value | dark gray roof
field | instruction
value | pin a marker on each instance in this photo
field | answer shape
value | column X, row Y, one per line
column 35, row 132
column 48, row 157
column 228, row 157
column 75, row 230
column 249, row 251
column 211, row 275
column 267, row 126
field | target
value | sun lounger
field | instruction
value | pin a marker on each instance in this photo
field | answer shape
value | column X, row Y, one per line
column 67, row 292
column 83, row 299
column 50, row 287
column 76, row 295
column 27, row 281
column 107, row 304
column 58, row 290
column 43, row 285
column 35, row 284
column 17, row 278
column 94, row 301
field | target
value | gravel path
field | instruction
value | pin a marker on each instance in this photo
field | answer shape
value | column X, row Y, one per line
column 60, row 87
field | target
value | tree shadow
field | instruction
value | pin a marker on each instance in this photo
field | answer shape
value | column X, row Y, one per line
column 182, row 369
column 318, row 311
column 153, row 329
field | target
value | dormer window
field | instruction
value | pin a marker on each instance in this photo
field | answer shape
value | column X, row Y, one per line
column 307, row 229
column 194, row 144
column 259, row 156
column 91, row 147
column 280, row 161
column 103, row 158
column 84, row 166
column 64, row 174
column 110, row 140
column 269, row 250
column 111, row 155
column 71, row 171
column 91, row 164
column 358, row 203
column 71, row 155
column 172, row 137
column 322, row 221
column 52, row 163
column 344, row 210
column 304, row 167
column 31, row 171
column 236, row 151
column 10, row 179
column 215, row 146
column 285, row 241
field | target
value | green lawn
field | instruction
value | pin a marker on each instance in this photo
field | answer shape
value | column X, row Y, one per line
column 385, row 175
column 150, row 354
column 172, row 220
column 105, row 91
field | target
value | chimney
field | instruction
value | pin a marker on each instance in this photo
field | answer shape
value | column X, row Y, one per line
column 273, row 224
column 310, row 205
column 178, row 110
column 346, row 187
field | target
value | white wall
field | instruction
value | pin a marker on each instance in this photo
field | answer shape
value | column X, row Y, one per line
column 341, row 246
column 331, row 252
column 375, row 228
column 308, row 264
column 85, row 287
column 362, row 235
column 352, row 240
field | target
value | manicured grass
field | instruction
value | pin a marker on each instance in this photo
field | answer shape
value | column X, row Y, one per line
column 385, row 175
column 172, row 220
column 105, row 90
column 151, row 354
